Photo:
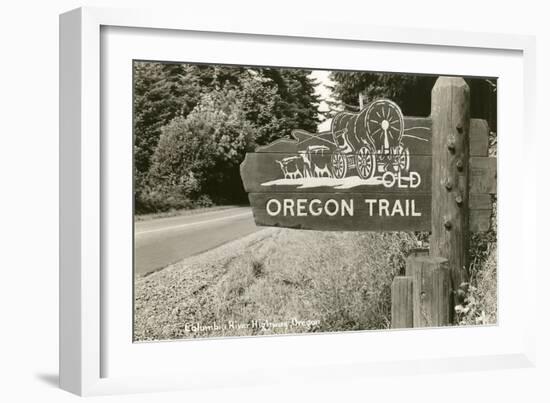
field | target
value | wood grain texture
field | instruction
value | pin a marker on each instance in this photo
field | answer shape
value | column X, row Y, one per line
column 460, row 172
column 402, row 303
column 480, row 220
column 479, row 138
column 480, row 211
column 262, row 168
column 431, row 291
column 483, row 175
column 262, row 172
column 450, row 174
column 480, row 201
column 417, row 135
column 419, row 252
column 361, row 221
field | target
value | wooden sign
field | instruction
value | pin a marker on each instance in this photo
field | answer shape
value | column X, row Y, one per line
column 371, row 172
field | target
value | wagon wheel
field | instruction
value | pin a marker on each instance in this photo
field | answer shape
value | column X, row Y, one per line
column 384, row 124
column 402, row 159
column 365, row 162
column 339, row 165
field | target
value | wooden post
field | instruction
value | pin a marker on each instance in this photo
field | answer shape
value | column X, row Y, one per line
column 412, row 254
column 416, row 252
column 450, row 175
column 431, row 291
column 402, row 302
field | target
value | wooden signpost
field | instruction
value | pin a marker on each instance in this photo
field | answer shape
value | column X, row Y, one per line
column 378, row 170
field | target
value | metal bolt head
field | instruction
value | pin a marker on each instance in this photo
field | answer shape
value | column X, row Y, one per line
column 459, row 127
column 447, row 224
column 448, row 184
column 451, row 146
column 459, row 165
column 458, row 199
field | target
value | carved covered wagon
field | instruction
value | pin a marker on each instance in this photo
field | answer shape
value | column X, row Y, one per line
column 369, row 141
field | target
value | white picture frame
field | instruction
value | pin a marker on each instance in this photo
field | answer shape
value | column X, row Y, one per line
column 85, row 343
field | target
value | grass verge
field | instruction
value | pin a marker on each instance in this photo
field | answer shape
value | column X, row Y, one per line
column 272, row 282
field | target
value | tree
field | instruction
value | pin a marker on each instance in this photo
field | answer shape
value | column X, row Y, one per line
column 161, row 92
column 276, row 101
column 171, row 99
column 198, row 154
column 295, row 105
column 411, row 92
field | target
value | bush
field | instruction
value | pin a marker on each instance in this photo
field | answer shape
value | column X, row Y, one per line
column 478, row 298
column 156, row 200
column 203, row 201
column 342, row 279
column 197, row 155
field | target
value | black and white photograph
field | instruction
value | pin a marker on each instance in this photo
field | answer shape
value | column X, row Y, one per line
column 234, row 201
column 281, row 200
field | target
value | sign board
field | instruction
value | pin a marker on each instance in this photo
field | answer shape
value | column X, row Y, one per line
column 372, row 171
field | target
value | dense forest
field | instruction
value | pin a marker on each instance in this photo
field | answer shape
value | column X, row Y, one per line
column 411, row 92
column 194, row 123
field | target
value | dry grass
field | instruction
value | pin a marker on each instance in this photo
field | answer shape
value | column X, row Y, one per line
column 480, row 305
column 335, row 280
column 487, row 287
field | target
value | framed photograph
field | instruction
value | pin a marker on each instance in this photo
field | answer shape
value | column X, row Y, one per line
column 322, row 197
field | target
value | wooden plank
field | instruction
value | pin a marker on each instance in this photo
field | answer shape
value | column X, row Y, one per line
column 402, row 303
column 480, row 220
column 450, row 175
column 361, row 219
column 483, row 175
column 479, row 138
column 415, row 253
column 481, row 209
column 431, row 291
column 480, row 201
column 416, row 128
column 417, row 135
column 264, row 172
column 302, row 168
column 418, row 252
column 342, row 211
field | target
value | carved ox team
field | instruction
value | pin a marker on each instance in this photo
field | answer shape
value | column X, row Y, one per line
column 292, row 167
column 313, row 162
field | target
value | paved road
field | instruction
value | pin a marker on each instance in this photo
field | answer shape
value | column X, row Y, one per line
column 163, row 241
